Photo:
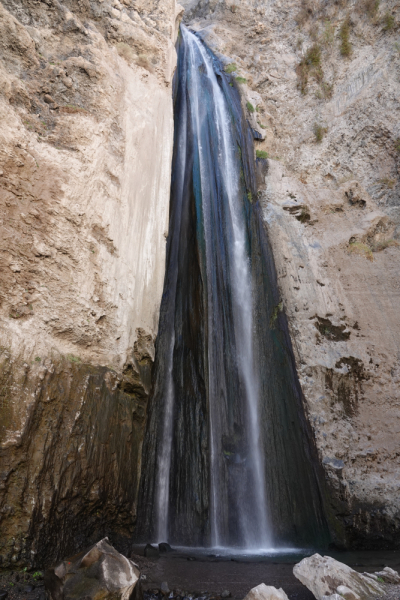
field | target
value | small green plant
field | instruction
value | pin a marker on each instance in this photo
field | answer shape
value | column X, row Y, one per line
column 344, row 34
column 319, row 132
column 73, row 359
column 241, row 79
column 261, row 125
column 38, row 359
column 388, row 21
column 250, row 107
column 328, row 36
column 249, row 196
column 261, row 154
column 361, row 249
column 380, row 579
column 397, row 145
column 313, row 56
column 230, row 68
column 274, row 316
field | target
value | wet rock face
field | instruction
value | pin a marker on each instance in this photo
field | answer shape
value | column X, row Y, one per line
column 100, row 571
column 71, row 474
column 85, row 100
column 331, row 203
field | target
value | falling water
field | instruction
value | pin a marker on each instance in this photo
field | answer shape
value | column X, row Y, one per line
column 226, row 459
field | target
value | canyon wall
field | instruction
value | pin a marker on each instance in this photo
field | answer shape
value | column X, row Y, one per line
column 85, row 156
column 320, row 84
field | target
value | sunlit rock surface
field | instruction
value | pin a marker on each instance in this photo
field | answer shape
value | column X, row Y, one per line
column 85, row 157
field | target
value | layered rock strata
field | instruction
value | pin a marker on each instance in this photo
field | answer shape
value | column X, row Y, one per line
column 85, row 154
column 321, row 80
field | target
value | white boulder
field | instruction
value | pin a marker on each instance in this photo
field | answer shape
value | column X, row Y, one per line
column 323, row 576
column 266, row 592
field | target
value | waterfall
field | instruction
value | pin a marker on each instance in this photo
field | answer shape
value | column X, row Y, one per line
column 227, row 458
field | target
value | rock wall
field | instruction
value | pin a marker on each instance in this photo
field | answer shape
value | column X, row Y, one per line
column 320, row 83
column 85, row 156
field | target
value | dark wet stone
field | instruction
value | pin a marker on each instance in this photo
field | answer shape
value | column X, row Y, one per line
column 151, row 551
column 3, row 594
column 256, row 134
column 164, row 547
column 226, row 594
column 29, row 588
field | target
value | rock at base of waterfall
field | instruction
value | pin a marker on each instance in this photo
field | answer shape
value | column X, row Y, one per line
column 324, row 575
column 164, row 588
column 164, row 548
column 98, row 572
column 388, row 575
column 332, row 597
column 347, row 593
column 226, row 594
column 151, row 551
column 266, row 592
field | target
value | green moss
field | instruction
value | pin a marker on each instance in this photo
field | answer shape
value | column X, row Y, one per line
column 249, row 196
column 241, row 79
column 261, row 154
column 230, row 68
column 37, row 358
column 250, row 107
column 397, row 145
column 274, row 316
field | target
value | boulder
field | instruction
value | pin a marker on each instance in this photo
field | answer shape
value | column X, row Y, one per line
column 164, row 547
column 388, row 575
column 100, row 572
column 266, row 592
column 323, row 576
column 332, row 597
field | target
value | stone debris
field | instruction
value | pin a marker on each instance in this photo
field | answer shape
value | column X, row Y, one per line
column 266, row 592
column 98, row 572
column 325, row 576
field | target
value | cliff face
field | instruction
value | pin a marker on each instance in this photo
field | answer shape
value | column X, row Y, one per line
column 85, row 153
column 321, row 84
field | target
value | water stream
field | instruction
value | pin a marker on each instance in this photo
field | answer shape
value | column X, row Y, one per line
column 227, row 459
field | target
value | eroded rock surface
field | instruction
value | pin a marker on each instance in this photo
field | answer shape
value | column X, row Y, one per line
column 331, row 202
column 85, row 152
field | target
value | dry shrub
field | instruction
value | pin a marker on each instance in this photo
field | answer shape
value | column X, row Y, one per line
column 126, row 52
column 143, row 61
column 319, row 132
column 344, row 34
column 310, row 64
column 307, row 9
column 368, row 7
